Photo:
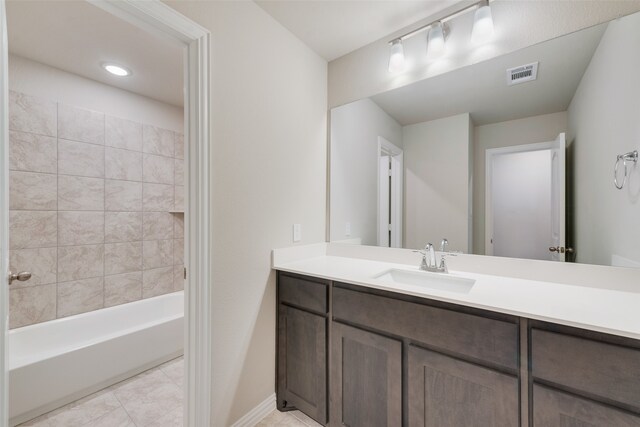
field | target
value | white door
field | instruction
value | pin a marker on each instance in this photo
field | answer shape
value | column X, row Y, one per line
column 383, row 201
column 4, row 220
column 525, row 201
column 558, row 200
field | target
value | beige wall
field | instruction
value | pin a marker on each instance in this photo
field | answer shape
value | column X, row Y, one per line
column 603, row 119
column 363, row 72
column 436, row 182
column 355, row 129
column 78, row 218
column 514, row 132
column 269, row 136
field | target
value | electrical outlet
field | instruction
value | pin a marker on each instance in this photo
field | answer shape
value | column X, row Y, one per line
column 347, row 230
column 297, row 232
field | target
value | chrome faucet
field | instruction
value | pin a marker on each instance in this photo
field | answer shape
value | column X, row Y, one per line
column 443, row 245
column 430, row 263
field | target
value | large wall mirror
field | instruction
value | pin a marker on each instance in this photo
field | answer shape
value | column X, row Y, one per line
column 514, row 156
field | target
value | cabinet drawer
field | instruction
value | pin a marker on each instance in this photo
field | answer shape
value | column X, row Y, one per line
column 483, row 339
column 600, row 369
column 553, row 408
column 307, row 293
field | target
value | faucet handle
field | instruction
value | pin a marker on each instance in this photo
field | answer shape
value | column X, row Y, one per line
column 443, row 245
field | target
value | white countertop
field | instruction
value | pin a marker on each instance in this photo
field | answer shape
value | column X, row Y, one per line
column 611, row 311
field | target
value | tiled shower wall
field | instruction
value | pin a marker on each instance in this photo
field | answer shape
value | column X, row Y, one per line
column 90, row 203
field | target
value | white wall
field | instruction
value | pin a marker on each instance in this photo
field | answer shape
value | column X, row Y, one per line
column 269, row 136
column 436, row 161
column 36, row 79
column 604, row 121
column 363, row 72
column 505, row 134
column 355, row 129
column 521, row 192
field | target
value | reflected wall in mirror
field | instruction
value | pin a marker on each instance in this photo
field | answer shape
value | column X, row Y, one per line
column 499, row 165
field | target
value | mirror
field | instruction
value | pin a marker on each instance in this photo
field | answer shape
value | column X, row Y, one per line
column 514, row 156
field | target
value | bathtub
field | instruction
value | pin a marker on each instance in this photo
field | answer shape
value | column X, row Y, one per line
column 54, row 363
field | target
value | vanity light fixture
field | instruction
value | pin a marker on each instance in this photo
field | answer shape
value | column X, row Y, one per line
column 482, row 31
column 396, row 58
column 435, row 40
column 116, row 70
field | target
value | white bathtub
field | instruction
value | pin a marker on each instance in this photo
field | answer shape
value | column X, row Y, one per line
column 54, row 363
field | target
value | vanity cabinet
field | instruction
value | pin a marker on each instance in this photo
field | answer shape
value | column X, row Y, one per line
column 366, row 378
column 354, row 356
column 302, row 346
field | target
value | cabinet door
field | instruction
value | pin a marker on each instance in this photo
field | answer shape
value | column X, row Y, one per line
column 302, row 363
column 444, row 391
column 552, row 408
column 366, row 378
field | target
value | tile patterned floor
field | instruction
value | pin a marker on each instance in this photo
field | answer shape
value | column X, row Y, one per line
column 151, row 399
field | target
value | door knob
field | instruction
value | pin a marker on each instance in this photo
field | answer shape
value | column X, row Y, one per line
column 560, row 249
column 554, row 249
column 21, row 277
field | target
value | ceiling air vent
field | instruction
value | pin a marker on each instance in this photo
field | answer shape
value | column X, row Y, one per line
column 522, row 74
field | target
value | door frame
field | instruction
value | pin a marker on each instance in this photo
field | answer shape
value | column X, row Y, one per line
column 4, row 219
column 488, row 196
column 162, row 20
column 386, row 147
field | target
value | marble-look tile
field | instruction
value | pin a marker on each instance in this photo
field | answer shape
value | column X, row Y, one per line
column 80, row 262
column 147, row 398
column 85, row 410
column 33, row 229
column 80, row 228
column 178, row 171
column 122, row 227
column 80, row 159
column 123, row 196
column 123, row 164
column 31, row 114
column 33, row 153
column 80, row 296
column 78, row 193
column 42, row 263
column 37, row 422
column 178, row 277
column 115, row 418
column 178, row 198
column 174, row 369
column 122, row 288
column 158, row 281
column 157, row 226
column 178, row 226
column 179, row 145
column 33, row 304
column 158, row 169
column 173, row 418
column 158, row 141
column 157, row 253
column 122, row 257
column 305, row 419
column 178, row 252
column 157, row 197
column 32, row 191
column 78, row 124
column 280, row 419
column 122, row 133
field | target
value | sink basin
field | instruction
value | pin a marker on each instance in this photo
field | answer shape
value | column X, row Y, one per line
column 422, row 279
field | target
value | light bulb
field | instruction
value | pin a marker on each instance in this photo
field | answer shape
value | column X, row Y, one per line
column 482, row 25
column 435, row 45
column 396, row 57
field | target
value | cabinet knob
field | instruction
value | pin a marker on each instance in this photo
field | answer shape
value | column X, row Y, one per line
column 23, row 276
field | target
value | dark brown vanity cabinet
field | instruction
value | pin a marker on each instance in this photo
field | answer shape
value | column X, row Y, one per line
column 302, row 346
column 583, row 378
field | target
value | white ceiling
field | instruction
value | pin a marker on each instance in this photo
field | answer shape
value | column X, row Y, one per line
column 77, row 37
column 334, row 28
column 481, row 89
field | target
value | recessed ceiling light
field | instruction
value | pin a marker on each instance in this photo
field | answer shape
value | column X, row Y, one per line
column 116, row 70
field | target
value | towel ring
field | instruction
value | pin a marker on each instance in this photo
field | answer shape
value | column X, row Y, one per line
column 631, row 156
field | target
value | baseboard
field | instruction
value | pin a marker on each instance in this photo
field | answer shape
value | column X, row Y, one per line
column 254, row 416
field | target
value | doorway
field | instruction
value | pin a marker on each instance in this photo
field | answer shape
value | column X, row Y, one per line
column 390, row 197
column 525, row 201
